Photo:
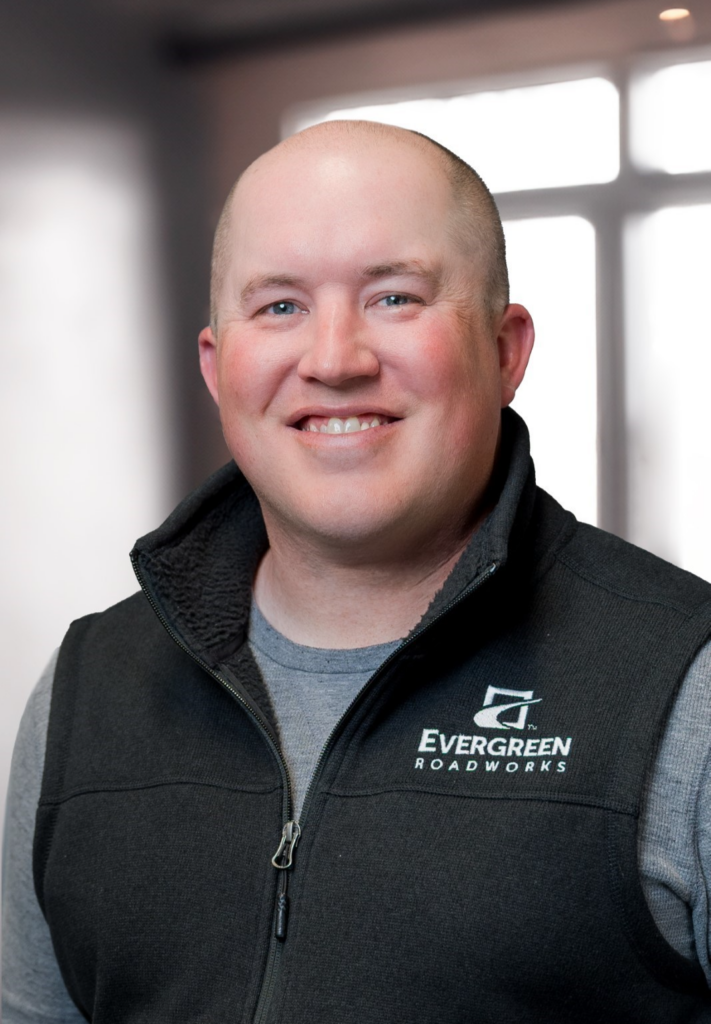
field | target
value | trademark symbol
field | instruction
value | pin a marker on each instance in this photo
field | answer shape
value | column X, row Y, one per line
column 533, row 727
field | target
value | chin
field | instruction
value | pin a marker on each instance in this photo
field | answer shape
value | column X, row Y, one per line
column 355, row 525
column 355, row 537
column 348, row 530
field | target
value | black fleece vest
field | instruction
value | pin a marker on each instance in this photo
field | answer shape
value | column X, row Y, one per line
column 468, row 850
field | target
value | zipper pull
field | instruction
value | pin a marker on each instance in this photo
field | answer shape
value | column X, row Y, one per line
column 284, row 856
column 282, row 860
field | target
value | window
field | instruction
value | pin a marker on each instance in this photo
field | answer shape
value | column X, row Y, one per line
column 552, row 272
column 670, row 115
column 668, row 367
column 566, row 132
column 604, row 185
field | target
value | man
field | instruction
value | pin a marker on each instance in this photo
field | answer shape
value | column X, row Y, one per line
column 373, row 741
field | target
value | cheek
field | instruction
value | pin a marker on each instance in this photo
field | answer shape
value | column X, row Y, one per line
column 454, row 372
column 456, row 379
column 247, row 377
column 247, row 380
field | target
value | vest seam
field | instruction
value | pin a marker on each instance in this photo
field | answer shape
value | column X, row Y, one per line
column 49, row 801
column 574, row 800
column 631, row 597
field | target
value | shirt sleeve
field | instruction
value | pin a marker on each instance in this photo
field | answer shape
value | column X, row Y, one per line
column 675, row 826
column 33, row 991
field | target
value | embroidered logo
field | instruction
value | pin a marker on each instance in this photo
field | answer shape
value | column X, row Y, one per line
column 489, row 716
column 522, row 752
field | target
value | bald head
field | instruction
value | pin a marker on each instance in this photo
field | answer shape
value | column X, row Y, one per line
column 475, row 224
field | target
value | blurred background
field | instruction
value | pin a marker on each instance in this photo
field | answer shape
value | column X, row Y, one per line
column 124, row 122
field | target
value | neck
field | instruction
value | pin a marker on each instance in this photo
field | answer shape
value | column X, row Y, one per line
column 320, row 601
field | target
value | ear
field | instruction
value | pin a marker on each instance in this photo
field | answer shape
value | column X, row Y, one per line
column 207, row 344
column 515, row 342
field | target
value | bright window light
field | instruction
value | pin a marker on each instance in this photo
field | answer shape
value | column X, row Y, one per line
column 541, row 136
column 86, row 454
column 552, row 271
column 671, row 117
column 668, row 368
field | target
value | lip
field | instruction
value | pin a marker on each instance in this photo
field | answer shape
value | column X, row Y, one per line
column 341, row 413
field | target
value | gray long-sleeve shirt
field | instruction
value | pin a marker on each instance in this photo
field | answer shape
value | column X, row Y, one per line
column 310, row 690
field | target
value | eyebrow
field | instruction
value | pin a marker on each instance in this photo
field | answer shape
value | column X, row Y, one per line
column 256, row 284
column 400, row 268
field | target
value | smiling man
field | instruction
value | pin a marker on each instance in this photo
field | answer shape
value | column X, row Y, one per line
column 360, row 374
column 386, row 735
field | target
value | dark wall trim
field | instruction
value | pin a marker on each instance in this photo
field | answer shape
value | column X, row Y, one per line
column 186, row 46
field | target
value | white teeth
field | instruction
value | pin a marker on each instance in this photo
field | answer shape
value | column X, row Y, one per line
column 351, row 425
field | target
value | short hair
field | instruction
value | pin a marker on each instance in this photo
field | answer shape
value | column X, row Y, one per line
column 221, row 253
column 478, row 229
column 480, row 225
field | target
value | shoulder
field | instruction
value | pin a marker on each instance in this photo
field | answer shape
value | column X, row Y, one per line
column 29, row 750
column 131, row 611
column 602, row 561
column 34, row 720
column 105, row 662
column 129, row 622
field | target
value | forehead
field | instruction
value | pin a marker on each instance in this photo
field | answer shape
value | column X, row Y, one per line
column 351, row 201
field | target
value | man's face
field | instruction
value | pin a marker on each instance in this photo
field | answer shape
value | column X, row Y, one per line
column 358, row 379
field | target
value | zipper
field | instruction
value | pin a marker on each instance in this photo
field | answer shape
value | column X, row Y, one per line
column 274, row 952
column 283, row 859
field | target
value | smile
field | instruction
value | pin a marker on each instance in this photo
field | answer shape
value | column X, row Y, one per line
column 349, row 425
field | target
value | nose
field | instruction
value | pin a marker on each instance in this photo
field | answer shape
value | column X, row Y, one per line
column 340, row 347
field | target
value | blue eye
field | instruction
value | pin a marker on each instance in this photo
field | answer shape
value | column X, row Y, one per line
column 282, row 308
column 396, row 300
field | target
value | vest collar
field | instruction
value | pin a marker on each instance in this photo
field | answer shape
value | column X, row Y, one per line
column 198, row 566
column 498, row 534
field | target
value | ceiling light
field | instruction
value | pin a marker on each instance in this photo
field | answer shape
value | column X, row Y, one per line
column 674, row 14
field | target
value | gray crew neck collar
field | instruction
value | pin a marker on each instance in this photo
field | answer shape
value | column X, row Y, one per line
column 316, row 660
